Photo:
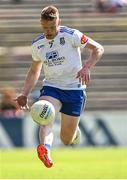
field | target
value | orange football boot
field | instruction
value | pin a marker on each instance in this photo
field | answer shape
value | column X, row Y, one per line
column 44, row 155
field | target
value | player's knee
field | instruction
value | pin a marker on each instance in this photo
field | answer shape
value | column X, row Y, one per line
column 65, row 140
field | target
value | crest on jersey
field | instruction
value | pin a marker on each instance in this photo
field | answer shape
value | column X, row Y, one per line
column 62, row 41
column 83, row 39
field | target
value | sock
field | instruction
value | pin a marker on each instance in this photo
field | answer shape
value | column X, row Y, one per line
column 46, row 136
column 48, row 147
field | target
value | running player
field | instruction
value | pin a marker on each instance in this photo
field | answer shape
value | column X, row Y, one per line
column 57, row 49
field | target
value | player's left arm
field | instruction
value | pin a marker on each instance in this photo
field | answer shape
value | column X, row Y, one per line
column 95, row 55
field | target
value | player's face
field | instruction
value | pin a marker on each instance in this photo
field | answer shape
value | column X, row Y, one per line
column 50, row 28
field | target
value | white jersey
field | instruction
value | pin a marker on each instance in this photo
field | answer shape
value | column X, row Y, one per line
column 61, row 58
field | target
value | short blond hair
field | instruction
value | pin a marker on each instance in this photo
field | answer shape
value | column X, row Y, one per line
column 49, row 13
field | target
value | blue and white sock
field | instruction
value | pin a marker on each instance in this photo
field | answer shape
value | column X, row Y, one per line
column 48, row 147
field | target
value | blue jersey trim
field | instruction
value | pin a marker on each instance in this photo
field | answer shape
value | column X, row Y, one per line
column 66, row 30
column 38, row 38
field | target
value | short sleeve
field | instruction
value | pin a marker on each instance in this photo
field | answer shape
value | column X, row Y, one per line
column 34, row 53
column 79, row 39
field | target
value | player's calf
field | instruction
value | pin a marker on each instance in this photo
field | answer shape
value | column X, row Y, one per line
column 69, row 140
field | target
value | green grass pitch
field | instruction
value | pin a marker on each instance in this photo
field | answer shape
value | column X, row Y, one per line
column 69, row 163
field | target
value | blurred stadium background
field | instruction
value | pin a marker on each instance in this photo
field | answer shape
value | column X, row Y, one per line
column 104, row 123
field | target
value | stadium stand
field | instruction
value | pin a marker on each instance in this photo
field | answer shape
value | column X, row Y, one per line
column 19, row 24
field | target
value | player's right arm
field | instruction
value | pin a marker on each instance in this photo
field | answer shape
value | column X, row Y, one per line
column 30, row 81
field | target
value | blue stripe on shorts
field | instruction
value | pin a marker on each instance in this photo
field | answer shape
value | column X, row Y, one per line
column 73, row 101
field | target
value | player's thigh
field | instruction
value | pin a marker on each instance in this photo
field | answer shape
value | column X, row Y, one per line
column 68, row 126
column 55, row 102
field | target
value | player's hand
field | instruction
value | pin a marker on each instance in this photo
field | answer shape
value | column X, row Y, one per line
column 22, row 102
column 84, row 75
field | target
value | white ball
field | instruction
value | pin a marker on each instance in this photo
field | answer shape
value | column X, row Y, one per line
column 42, row 112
